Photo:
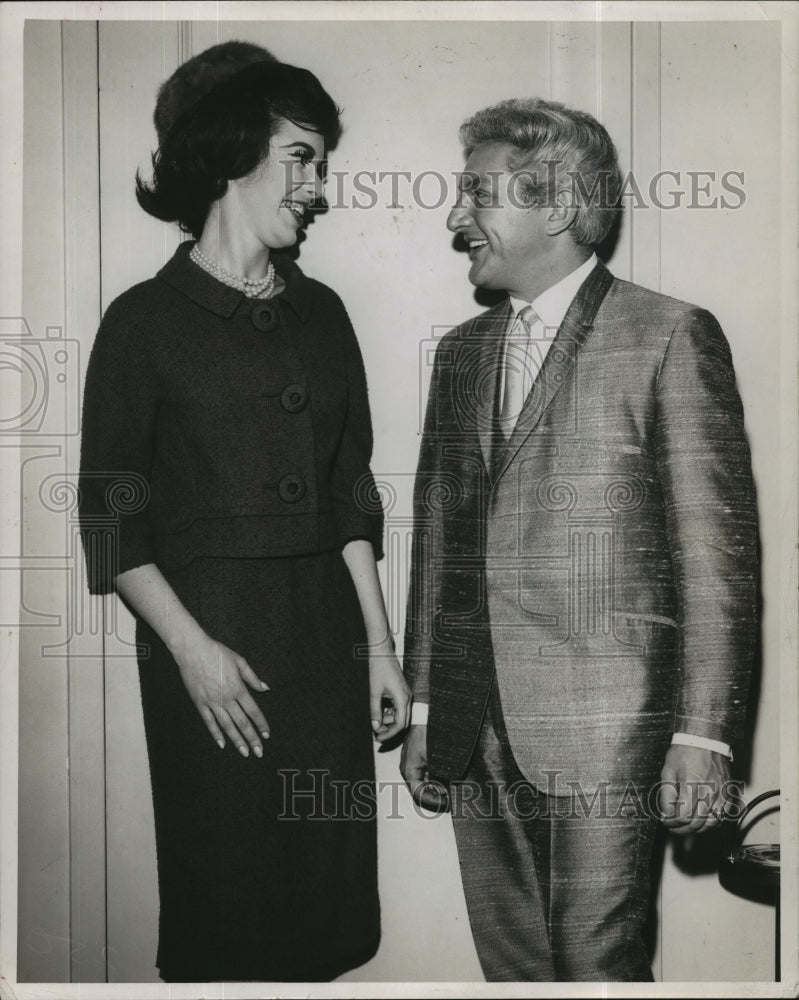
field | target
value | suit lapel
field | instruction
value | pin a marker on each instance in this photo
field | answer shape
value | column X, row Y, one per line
column 558, row 366
column 490, row 332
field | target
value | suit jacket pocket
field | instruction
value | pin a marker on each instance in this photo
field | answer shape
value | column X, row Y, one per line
column 631, row 618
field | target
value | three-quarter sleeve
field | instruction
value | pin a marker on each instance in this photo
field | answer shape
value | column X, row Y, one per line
column 356, row 501
column 117, row 436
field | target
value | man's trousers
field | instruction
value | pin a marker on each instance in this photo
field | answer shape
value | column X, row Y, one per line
column 557, row 887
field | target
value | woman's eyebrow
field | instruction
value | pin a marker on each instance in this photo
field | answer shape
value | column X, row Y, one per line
column 298, row 142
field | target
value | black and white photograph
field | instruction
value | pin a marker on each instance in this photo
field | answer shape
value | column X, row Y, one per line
column 398, row 428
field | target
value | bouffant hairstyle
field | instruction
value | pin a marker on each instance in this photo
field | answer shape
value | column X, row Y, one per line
column 195, row 77
column 225, row 135
column 557, row 148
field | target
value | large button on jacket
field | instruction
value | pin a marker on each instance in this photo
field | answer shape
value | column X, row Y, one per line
column 244, row 424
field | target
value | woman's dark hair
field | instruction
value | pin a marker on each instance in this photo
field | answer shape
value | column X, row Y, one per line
column 198, row 75
column 226, row 134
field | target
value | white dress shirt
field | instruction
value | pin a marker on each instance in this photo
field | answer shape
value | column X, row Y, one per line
column 550, row 307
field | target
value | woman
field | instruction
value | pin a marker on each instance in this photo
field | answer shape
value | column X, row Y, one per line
column 227, row 396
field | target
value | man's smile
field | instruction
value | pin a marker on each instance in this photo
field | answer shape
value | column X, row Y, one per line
column 475, row 245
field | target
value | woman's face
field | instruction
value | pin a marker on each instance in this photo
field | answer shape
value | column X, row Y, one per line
column 273, row 199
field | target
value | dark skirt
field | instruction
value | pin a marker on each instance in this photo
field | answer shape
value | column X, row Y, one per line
column 267, row 868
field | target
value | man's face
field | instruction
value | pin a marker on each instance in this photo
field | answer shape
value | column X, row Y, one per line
column 507, row 240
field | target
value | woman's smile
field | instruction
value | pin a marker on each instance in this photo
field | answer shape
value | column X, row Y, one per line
column 297, row 208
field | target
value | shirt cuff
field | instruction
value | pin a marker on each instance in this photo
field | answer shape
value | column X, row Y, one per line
column 703, row 743
column 419, row 712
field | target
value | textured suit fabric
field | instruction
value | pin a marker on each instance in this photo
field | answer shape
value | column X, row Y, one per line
column 556, row 888
column 506, row 906
column 603, row 560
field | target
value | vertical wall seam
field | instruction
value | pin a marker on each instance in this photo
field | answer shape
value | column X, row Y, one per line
column 185, row 40
column 633, row 139
column 598, row 69
column 99, row 164
column 69, row 761
column 660, row 146
column 104, row 633
column 659, row 78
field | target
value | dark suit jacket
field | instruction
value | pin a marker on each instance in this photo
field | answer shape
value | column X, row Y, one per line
column 603, row 561
column 215, row 425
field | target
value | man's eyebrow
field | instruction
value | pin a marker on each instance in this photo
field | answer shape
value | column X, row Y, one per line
column 470, row 179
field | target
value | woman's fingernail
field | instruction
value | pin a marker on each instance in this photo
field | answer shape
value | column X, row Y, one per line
column 258, row 751
column 244, row 751
column 220, row 744
column 264, row 686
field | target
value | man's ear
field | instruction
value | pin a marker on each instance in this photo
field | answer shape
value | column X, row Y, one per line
column 562, row 214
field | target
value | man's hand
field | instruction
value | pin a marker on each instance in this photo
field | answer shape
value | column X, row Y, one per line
column 694, row 791
column 429, row 794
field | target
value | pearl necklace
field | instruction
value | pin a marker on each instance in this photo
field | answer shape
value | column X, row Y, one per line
column 254, row 288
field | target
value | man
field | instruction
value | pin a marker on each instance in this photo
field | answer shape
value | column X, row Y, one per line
column 581, row 619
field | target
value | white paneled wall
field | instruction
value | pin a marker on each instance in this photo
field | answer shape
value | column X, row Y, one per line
column 88, row 891
column 44, row 836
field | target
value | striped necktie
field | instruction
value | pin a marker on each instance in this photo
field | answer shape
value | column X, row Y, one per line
column 517, row 364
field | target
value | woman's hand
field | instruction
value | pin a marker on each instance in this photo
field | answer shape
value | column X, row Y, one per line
column 216, row 679
column 387, row 681
column 214, row 675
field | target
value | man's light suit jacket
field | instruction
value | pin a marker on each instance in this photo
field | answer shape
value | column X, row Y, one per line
column 603, row 561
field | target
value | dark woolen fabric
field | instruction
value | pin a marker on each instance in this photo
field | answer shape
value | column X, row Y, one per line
column 215, row 425
column 228, row 441
column 267, row 868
